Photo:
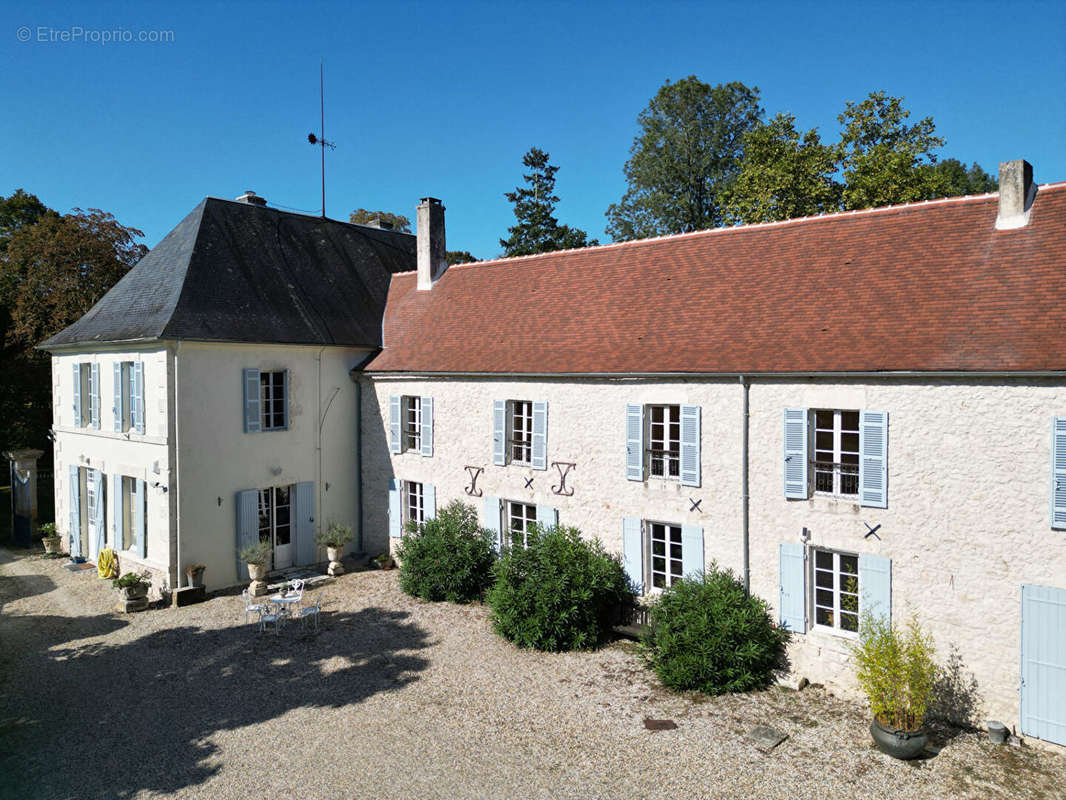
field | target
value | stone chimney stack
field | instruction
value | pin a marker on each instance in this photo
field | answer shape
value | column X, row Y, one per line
column 1016, row 194
column 431, row 249
column 251, row 198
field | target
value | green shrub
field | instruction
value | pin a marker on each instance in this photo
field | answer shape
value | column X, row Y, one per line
column 258, row 554
column 895, row 670
column 447, row 558
column 558, row 593
column 131, row 579
column 707, row 634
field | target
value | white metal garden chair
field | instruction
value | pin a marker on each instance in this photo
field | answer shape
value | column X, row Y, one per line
column 250, row 607
column 275, row 615
column 311, row 612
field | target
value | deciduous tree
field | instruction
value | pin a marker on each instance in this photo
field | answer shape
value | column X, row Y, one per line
column 362, row 216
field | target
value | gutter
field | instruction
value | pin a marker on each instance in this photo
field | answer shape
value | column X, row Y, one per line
column 923, row 374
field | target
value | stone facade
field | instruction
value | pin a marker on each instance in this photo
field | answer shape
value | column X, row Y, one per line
column 966, row 523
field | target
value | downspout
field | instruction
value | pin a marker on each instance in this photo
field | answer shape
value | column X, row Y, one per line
column 175, row 487
column 744, row 485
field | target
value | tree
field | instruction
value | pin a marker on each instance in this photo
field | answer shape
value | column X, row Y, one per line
column 51, row 272
column 459, row 257
column 883, row 159
column 686, row 156
column 362, row 216
column 951, row 178
column 537, row 230
column 784, row 174
column 19, row 211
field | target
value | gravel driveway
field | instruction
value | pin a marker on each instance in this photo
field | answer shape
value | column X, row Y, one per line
column 402, row 699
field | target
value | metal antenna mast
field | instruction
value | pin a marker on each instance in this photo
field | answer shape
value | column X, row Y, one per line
column 320, row 140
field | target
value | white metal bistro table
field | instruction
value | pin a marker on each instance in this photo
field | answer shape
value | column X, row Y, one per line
column 285, row 602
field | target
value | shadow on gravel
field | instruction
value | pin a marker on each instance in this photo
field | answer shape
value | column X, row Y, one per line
column 13, row 587
column 102, row 720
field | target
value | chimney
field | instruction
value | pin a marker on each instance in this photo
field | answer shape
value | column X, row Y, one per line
column 378, row 222
column 431, row 250
column 1016, row 194
column 251, row 198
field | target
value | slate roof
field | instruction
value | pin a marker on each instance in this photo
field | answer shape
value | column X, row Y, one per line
column 921, row 287
column 231, row 271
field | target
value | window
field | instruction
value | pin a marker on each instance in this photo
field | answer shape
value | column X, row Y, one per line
column 664, row 441
column 129, row 512
column 412, row 423
column 275, row 524
column 86, row 395
column 272, row 400
column 123, row 395
column 414, row 506
column 836, row 452
column 836, row 591
column 520, row 517
column 664, row 562
column 520, row 438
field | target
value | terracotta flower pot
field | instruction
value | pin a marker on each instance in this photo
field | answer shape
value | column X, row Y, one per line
column 903, row 745
column 51, row 544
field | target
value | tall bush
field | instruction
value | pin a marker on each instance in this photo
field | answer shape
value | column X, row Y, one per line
column 557, row 593
column 896, row 671
column 448, row 558
column 708, row 634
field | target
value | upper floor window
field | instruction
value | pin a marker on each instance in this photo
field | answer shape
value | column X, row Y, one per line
column 411, row 424
column 836, row 451
column 129, row 396
column 266, row 400
column 86, row 393
column 520, row 433
column 663, row 441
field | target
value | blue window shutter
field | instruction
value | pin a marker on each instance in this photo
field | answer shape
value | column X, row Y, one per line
column 395, row 419
column 395, row 508
column 547, row 517
column 100, row 532
column 77, row 396
column 285, row 402
column 427, row 426
column 634, row 442
column 796, row 486
column 1058, row 473
column 247, row 526
column 692, row 558
column 690, row 445
column 252, row 404
column 94, row 395
column 491, row 519
column 75, row 511
column 116, row 517
column 875, row 586
column 140, row 532
column 499, row 432
column 792, row 606
column 429, row 501
column 137, row 397
column 117, row 394
column 540, row 435
column 633, row 552
column 305, row 523
column 873, row 459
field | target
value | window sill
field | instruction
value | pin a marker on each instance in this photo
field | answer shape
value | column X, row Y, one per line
column 835, row 633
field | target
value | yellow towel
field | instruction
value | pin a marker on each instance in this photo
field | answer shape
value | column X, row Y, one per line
column 107, row 563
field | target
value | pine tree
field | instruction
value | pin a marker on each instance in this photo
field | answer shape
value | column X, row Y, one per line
column 537, row 230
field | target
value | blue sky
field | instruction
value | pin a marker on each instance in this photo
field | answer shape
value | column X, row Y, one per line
column 443, row 99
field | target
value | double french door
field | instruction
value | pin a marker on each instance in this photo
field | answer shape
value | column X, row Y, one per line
column 275, row 523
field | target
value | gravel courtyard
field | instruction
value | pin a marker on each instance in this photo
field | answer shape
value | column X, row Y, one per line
column 402, row 699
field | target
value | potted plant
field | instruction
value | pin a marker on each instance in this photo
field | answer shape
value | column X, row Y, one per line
column 895, row 669
column 50, row 538
column 384, row 561
column 134, row 585
column 333, row 539
column 195, row 574
column 257, row 557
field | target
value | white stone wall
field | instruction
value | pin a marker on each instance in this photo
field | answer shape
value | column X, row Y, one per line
column 146, row 456
column 967, row 521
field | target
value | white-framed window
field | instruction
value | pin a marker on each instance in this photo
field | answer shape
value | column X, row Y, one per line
column 835, row 450
column 272, row 400
column 664, row 441
column 124, row 395
column 412, row 423
column 519, row 517
column 520, row 432
column 129, row 512
column 664, row 547
column 414, row 504
column 836, row 591
column 89, row 399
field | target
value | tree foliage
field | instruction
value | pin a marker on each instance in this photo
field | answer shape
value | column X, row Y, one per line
column 537, row 230
column 459, row 257
column 784, row 174
column 951, row 178
column 685, row 157
column 363, row 216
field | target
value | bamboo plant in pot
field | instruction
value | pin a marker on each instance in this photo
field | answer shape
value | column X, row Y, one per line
column 333, row 539
column 895, row 669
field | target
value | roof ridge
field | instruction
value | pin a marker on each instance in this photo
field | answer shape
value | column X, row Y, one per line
column 836, row 215
column 306, row 215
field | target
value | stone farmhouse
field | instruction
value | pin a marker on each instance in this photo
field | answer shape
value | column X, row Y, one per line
column 855, row 411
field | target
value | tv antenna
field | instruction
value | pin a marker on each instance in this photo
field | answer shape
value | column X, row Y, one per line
column 320, row 140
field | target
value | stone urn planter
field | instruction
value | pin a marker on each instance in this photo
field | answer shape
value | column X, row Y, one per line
column 335, row 565
column 903, row 745
column 51, row 544
column 135, row 592
column 134, row 589
column 258, row 573
column 195, row 574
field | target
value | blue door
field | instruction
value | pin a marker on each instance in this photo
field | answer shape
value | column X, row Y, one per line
column 1043, row 686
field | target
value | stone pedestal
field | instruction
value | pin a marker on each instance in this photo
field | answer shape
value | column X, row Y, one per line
column 129, row 606
column 258, row 588
column 335, row 568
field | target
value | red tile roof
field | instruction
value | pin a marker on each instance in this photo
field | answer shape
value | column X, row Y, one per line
column 921, row 287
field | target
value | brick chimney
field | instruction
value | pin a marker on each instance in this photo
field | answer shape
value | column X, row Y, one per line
column 430, row 245
column 1016, row 194
column 251, row 198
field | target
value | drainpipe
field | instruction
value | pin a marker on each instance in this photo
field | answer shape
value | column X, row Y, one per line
column 744, row 484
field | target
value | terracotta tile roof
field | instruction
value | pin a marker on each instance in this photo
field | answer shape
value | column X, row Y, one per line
column 921, row 287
